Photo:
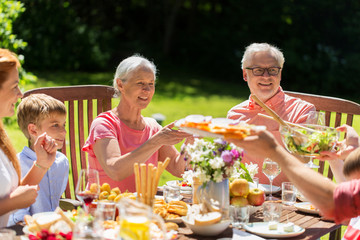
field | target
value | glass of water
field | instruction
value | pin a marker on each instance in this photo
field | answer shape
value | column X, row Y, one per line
column 171, row 193
column 272, row 211
column 239, row 215
column 288, row 193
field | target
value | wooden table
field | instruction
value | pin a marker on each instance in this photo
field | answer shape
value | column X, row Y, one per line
column 314, row 225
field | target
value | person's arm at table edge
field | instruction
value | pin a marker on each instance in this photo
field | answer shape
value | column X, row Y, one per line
column 316, row 188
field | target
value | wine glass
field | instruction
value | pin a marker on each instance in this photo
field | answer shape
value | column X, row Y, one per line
column 87, row 187
column 271, row 169
column 315, row 118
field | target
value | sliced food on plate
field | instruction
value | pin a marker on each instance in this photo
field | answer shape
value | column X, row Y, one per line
column 206, row 126
column 306, row 207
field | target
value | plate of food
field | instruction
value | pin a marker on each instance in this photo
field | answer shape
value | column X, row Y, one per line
column 267, row 190
column 208, row 224
column 172, row 211
column 206, row 126
column 185, row 187
column 274, row 230
column 306, row 207
column 48, row 222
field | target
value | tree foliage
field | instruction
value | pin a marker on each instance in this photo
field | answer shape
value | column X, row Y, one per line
column 319, row 38
column 9, row 12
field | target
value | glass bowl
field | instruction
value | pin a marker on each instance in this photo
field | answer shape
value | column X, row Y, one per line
column 311, row 141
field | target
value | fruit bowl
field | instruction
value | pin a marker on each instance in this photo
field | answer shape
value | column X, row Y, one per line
column 312, row 139
column 207, row 230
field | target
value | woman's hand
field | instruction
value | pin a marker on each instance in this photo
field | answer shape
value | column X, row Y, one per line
column 169, row 136
column 24, row 196
column 346, row 146
column 45, row 148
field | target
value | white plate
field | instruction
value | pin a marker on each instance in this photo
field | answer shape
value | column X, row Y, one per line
column 262, row 229
column 306, row 207
column 208, row 230
column 266, row 188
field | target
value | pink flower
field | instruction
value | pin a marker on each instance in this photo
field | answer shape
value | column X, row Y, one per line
column 235, row 153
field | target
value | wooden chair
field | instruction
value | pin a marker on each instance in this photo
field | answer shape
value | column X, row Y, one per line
column 337, row 112
column 83, row 104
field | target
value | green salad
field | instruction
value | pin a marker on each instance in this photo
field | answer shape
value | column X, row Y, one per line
column 317, row 141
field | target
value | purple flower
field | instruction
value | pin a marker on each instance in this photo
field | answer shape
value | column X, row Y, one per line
column 227, row 156
column 220, row 141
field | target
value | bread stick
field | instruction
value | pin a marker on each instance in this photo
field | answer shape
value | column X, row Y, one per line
column 137, row 179
column 150, row 167
column 154, row 184
column 143, row 184
column 166, row 163
column 65, row 218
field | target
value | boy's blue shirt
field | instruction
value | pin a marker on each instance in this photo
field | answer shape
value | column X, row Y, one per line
column 51, row 186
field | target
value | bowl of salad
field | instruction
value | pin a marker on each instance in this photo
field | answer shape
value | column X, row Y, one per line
column 312, row 139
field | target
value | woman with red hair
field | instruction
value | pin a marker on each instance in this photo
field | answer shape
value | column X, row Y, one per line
column 15, row 192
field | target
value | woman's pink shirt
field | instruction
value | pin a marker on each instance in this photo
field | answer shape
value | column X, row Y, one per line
column 108, row 125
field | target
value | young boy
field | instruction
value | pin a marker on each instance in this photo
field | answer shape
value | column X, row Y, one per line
column 36, row 114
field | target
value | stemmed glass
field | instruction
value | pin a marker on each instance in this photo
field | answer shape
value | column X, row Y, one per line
column 271, row 169
column 87, row 187
column 315, row 118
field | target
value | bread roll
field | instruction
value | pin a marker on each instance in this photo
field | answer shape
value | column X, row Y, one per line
column 171, row 226
column 178, row 207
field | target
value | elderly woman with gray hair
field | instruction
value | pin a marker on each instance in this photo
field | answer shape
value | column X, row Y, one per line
column 122, row 136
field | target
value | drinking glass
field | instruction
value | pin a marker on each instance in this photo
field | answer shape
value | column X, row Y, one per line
column 271, row 169
column 272, row 211
column 239, row 215
column 87, row 187
column 316, row 118
column 288, row 193
column 171, row 193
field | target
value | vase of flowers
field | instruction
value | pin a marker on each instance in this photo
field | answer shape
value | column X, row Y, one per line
column 213, row 162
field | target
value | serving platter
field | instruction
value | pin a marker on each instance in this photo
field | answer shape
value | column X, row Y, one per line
column 206, row 126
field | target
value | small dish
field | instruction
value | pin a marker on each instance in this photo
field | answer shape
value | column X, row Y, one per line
column 306, row 207
column 208, row 230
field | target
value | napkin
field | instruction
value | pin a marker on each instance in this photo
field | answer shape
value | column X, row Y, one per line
column 238, row 234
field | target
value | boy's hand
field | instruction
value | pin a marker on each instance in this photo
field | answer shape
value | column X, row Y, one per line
column 346, row 146
column 24, row 196
column 45, row 148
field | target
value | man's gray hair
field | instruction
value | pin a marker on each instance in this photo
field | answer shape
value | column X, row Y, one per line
column 261, row 47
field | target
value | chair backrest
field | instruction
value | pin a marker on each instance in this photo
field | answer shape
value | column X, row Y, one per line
column 83, row 103
column 337, row 112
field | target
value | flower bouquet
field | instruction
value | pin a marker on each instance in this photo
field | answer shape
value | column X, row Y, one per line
column 216, row 160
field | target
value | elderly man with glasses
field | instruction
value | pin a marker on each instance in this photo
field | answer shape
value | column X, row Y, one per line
column 262, row 65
